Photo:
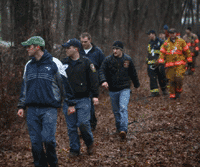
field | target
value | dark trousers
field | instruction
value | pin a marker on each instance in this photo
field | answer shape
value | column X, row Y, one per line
column 93, row 119
column 157, row 75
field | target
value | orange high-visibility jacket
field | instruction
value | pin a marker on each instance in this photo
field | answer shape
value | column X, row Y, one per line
column 174, row 53
column 192, row 41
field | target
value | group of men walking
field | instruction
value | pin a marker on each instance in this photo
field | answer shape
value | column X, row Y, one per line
column 48, row 82
column 169, row 59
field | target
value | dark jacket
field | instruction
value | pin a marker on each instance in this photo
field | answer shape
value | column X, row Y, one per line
column 95, row 55
column 43, row 85
column 118, row 72
column 83, row 77
column 153, row 51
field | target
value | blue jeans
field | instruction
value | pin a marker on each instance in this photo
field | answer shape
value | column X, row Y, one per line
column 81, row 119
column 119, row 101
column 41, row 123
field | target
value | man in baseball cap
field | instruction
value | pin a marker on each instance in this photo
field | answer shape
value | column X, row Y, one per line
column 83, row 79
column 42, row 92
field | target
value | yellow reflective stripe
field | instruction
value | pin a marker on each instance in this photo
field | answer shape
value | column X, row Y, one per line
column 154, row 90
column 155, row 51
column 149, row 48
column 151, row 61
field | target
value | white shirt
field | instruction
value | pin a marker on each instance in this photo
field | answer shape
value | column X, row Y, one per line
column 87, row 50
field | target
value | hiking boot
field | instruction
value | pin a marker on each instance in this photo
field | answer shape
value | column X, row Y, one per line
column 155, row 94
column 165, row 92
column 122, row 134
column 90, row 149
column 73, row 154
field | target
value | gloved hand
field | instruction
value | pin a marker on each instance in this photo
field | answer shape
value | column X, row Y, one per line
column 166, row 27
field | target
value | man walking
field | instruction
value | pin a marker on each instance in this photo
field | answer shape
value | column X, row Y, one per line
column 115, row 74
column 41, row 93
column 192, row 41
column 174, row 54
column 155, row 72
column 84, row 81
column 95, row 54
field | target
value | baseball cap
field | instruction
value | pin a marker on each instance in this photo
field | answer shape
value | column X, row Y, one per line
column 35, row 40
column 72, row 42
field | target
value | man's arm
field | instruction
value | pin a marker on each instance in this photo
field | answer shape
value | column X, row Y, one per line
column 22, row 98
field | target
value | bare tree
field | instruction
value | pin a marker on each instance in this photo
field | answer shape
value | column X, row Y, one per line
column 23, row 16
column 47, row 16
column 81, row 17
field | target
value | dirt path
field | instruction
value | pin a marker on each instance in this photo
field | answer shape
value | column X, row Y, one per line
column 162, row 132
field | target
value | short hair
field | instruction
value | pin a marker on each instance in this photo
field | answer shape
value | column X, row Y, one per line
column 189, row 28
column 86, row 34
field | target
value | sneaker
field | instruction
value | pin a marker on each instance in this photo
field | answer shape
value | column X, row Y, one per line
column 73, row 154
column 155, row 94
column 122, row 134
column 90, row 149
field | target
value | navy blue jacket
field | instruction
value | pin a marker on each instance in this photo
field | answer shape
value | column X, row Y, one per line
column 43, row 84
column 153, row 50
column 95, row 55
column 83, row 77
column 118, row 72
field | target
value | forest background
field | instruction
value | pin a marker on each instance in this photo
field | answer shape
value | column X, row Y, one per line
column 59, row 20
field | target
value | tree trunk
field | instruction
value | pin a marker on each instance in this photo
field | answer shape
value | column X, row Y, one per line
column 68, row 19
column 113, row 17
column 197, row 15
column 47, row 16
column 58, row 15
column 128, row 22
column 23, row 20
column 89, row 13
column 135, row 19
column 102, row 23
column 81, row 17
column 4, row 20
column 95, row 21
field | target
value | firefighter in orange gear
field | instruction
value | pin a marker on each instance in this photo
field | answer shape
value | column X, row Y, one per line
column 174, row 53
column 192, row 41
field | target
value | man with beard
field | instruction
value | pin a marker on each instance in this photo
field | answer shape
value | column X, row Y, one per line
column 115, row 74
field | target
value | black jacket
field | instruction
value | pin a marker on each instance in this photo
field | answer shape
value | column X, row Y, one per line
column 83, row 77
column 95, row 55
column 153, row 50
column 118, row 72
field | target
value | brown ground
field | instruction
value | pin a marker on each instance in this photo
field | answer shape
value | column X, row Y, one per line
column 161, row 132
